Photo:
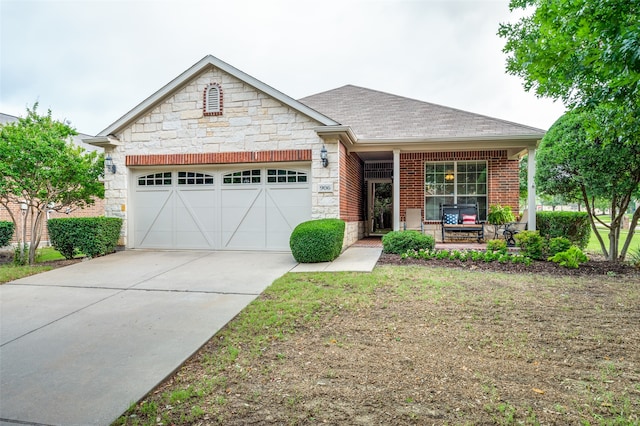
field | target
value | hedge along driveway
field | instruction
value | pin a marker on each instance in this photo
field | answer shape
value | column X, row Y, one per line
column 93, row 236
column 79, row 344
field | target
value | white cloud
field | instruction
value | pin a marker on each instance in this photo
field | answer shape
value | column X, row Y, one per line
column 92, row 61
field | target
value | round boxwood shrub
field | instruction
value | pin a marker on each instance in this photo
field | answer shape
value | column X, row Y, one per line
column 317, row 240
column 398, row 242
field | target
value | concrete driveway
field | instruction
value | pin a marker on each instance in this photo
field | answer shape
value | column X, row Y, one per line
column 79, row 344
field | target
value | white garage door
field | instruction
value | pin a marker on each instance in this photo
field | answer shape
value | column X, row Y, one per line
column 248, row 209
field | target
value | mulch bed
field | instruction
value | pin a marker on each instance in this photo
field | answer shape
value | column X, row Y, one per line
column 594, row 267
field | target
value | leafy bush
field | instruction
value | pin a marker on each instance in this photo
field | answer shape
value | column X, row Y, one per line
column 499, row 215
column 6, row 232
column 531, row 244
column 499, row 246
column 571, row 258
column 557, row 245
column 317, row 240
column 398, row 242
column 467, row 255
column 574, row 226
column 634, row 257
column 93, row 236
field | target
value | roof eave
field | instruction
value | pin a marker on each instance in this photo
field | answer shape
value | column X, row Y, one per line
column 516, row 146
column 102, row 141
column 344, row 133
column 198, row 67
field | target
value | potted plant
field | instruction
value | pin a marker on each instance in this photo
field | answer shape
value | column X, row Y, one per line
column 498, row 217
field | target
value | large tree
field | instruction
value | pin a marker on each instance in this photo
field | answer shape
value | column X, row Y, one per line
column 42, row 170
column 583, row 52
column 571, row 162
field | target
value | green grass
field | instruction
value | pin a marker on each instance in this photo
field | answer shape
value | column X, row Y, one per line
column 48, row 254
column 12, row 272
column 594, row 245
column 305, row 303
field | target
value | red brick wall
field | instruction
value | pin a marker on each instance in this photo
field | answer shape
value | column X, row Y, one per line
column 351, row 182
column 503, row 179
column 219, row 157
column 97, row 209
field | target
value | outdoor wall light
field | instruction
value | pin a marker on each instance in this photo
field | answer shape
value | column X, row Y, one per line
column 323, row 156
column 108, row 162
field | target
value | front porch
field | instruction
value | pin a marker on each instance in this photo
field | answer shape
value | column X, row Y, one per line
column 394, row 182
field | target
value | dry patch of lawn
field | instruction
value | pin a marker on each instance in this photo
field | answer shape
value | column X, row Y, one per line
column 416, row 345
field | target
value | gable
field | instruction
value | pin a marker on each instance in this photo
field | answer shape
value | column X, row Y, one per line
column 209, row 63
column 250, row 120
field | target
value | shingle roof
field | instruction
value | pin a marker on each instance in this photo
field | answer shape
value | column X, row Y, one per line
column 375, row 115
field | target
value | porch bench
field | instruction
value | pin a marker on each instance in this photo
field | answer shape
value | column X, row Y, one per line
column 461, row 219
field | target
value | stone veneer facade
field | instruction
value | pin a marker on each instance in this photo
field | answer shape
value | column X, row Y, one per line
column 253, row 128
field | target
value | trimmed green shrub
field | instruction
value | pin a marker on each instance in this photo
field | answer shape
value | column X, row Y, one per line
column 531, row 244
column 317, row 240
column 399, row 242
column 93, row 236
column 574, row 226
column 499, row 246
column 571, row 258
column 6, row 232
column 557, row 245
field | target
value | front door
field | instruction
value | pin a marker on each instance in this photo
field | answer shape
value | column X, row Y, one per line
column 380, row 207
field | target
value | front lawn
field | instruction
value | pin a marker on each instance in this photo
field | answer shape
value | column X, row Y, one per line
column 10, row 272
column 409, row 345
column 594, row 245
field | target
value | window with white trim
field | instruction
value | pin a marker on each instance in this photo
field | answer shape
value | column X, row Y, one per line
column 285, row 176
column 155, row 179
column 194, row 178
column 455, row 182
column 242, row 177
column 213, row 99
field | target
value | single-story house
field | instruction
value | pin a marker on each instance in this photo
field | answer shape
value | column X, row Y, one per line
column 96, row 209
column 217, row 159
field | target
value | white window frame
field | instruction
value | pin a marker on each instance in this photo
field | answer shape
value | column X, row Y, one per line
column 454, row 196
column 243, row 177
column 286, row 176
column 155, row 179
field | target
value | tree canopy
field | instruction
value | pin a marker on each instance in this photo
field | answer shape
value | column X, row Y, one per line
column 583, row 52
column 41, row 168
column 572, row 163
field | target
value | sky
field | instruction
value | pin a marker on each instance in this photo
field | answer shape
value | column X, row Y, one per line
column 92, row 61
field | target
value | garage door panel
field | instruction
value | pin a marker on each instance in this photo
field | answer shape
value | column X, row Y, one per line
column 196, row 219
column 242, row 218
column 154, row 219
column 286, row 208
column 219, row 210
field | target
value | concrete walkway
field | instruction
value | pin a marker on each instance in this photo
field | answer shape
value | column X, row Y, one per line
column 80, row 344
column 353, row 259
